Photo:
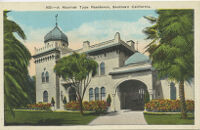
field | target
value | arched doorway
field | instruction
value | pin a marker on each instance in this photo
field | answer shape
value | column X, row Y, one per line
column 72, row 94
column 131, row 94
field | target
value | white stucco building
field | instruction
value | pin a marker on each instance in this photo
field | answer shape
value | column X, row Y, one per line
column 123, row 72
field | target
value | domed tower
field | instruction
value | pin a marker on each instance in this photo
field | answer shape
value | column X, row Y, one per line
column 47, row 82
column 56, row 36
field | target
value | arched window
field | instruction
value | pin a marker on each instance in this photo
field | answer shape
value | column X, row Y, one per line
column 43, row 77
column 102, row 68
column 90, row 94
column 172, row 91
column 103, row 93
column 141, row 93
column 72, row 94
column 96, row 94
column 47, row 76
column 45, row 96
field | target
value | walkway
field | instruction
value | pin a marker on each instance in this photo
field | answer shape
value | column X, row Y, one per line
column 124, row 117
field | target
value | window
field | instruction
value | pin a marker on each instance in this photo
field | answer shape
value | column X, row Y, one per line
column 43, row 77
column 141, row 93
column 90, row 94
column 97, row 70
column 96, row 94
column 45, row 96
column 102, row 68
column 72, row 94
column 103, row 93
column 172, row 91
column 47, row 76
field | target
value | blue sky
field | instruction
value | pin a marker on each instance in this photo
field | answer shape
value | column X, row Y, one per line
column 72, row 19
column 95, row 26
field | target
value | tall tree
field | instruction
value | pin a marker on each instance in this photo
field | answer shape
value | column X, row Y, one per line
column 78, row 70
column 173, row 56
column 16, row 61
column 152, row 34
column 31, row 91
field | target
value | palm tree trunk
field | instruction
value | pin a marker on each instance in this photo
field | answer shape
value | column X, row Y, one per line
column 182, row 100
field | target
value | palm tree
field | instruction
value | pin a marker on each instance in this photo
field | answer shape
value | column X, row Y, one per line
column 152, row 34
column 173, row 57
column 16, row 61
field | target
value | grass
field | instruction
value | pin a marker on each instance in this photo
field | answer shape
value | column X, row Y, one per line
column 48, row 118
column 168, row 119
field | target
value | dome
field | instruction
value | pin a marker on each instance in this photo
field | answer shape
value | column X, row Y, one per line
column 55, row 34
column 137, row 58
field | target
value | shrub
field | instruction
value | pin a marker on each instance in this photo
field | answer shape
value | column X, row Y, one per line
column 166, row 105
column 74, row 105
column 64, row 100
column 39, row 106
column 97, row 106
column 108, row 100
column 52, row 101
column 146, row 97
column 87, row 106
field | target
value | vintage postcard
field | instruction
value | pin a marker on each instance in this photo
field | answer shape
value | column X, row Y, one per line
column 100, row 65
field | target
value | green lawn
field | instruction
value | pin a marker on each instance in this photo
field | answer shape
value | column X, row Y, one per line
column 48, row 118
column 168, row 119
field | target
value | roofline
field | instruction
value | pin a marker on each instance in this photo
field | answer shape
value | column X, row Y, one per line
column 141, row 62
column 132, row 70
column 49, row 51
column 104, row 47
column 55, row 40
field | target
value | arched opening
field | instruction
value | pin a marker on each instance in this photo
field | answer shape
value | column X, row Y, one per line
column 172, row 91
column 103, row 93
column 45, row 96
column 96, row 91
column 90, row 94
column 132, row 94
column 72, row 94
column 102, row 68
column 47, row 77
column 43, row 77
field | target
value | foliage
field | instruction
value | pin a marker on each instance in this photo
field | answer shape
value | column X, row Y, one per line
column 39, row 106
column 146, row 97
column 108, row 100
column 77, row 69
column 16, row 61
column 164, row 105
column 152, row 34
column 52, row 101
column 97, row 106
column 173, row 55
column 31, row 89
column 64, row 100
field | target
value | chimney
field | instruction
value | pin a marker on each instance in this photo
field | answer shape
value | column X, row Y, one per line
column 86, row 45
column 132, row 44
column 117, row 37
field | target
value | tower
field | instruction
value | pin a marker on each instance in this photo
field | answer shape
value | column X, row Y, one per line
column 47, row 82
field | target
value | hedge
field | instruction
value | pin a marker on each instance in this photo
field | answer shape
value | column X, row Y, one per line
column 39, row 106
column 166, row 105
column 97, row 106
